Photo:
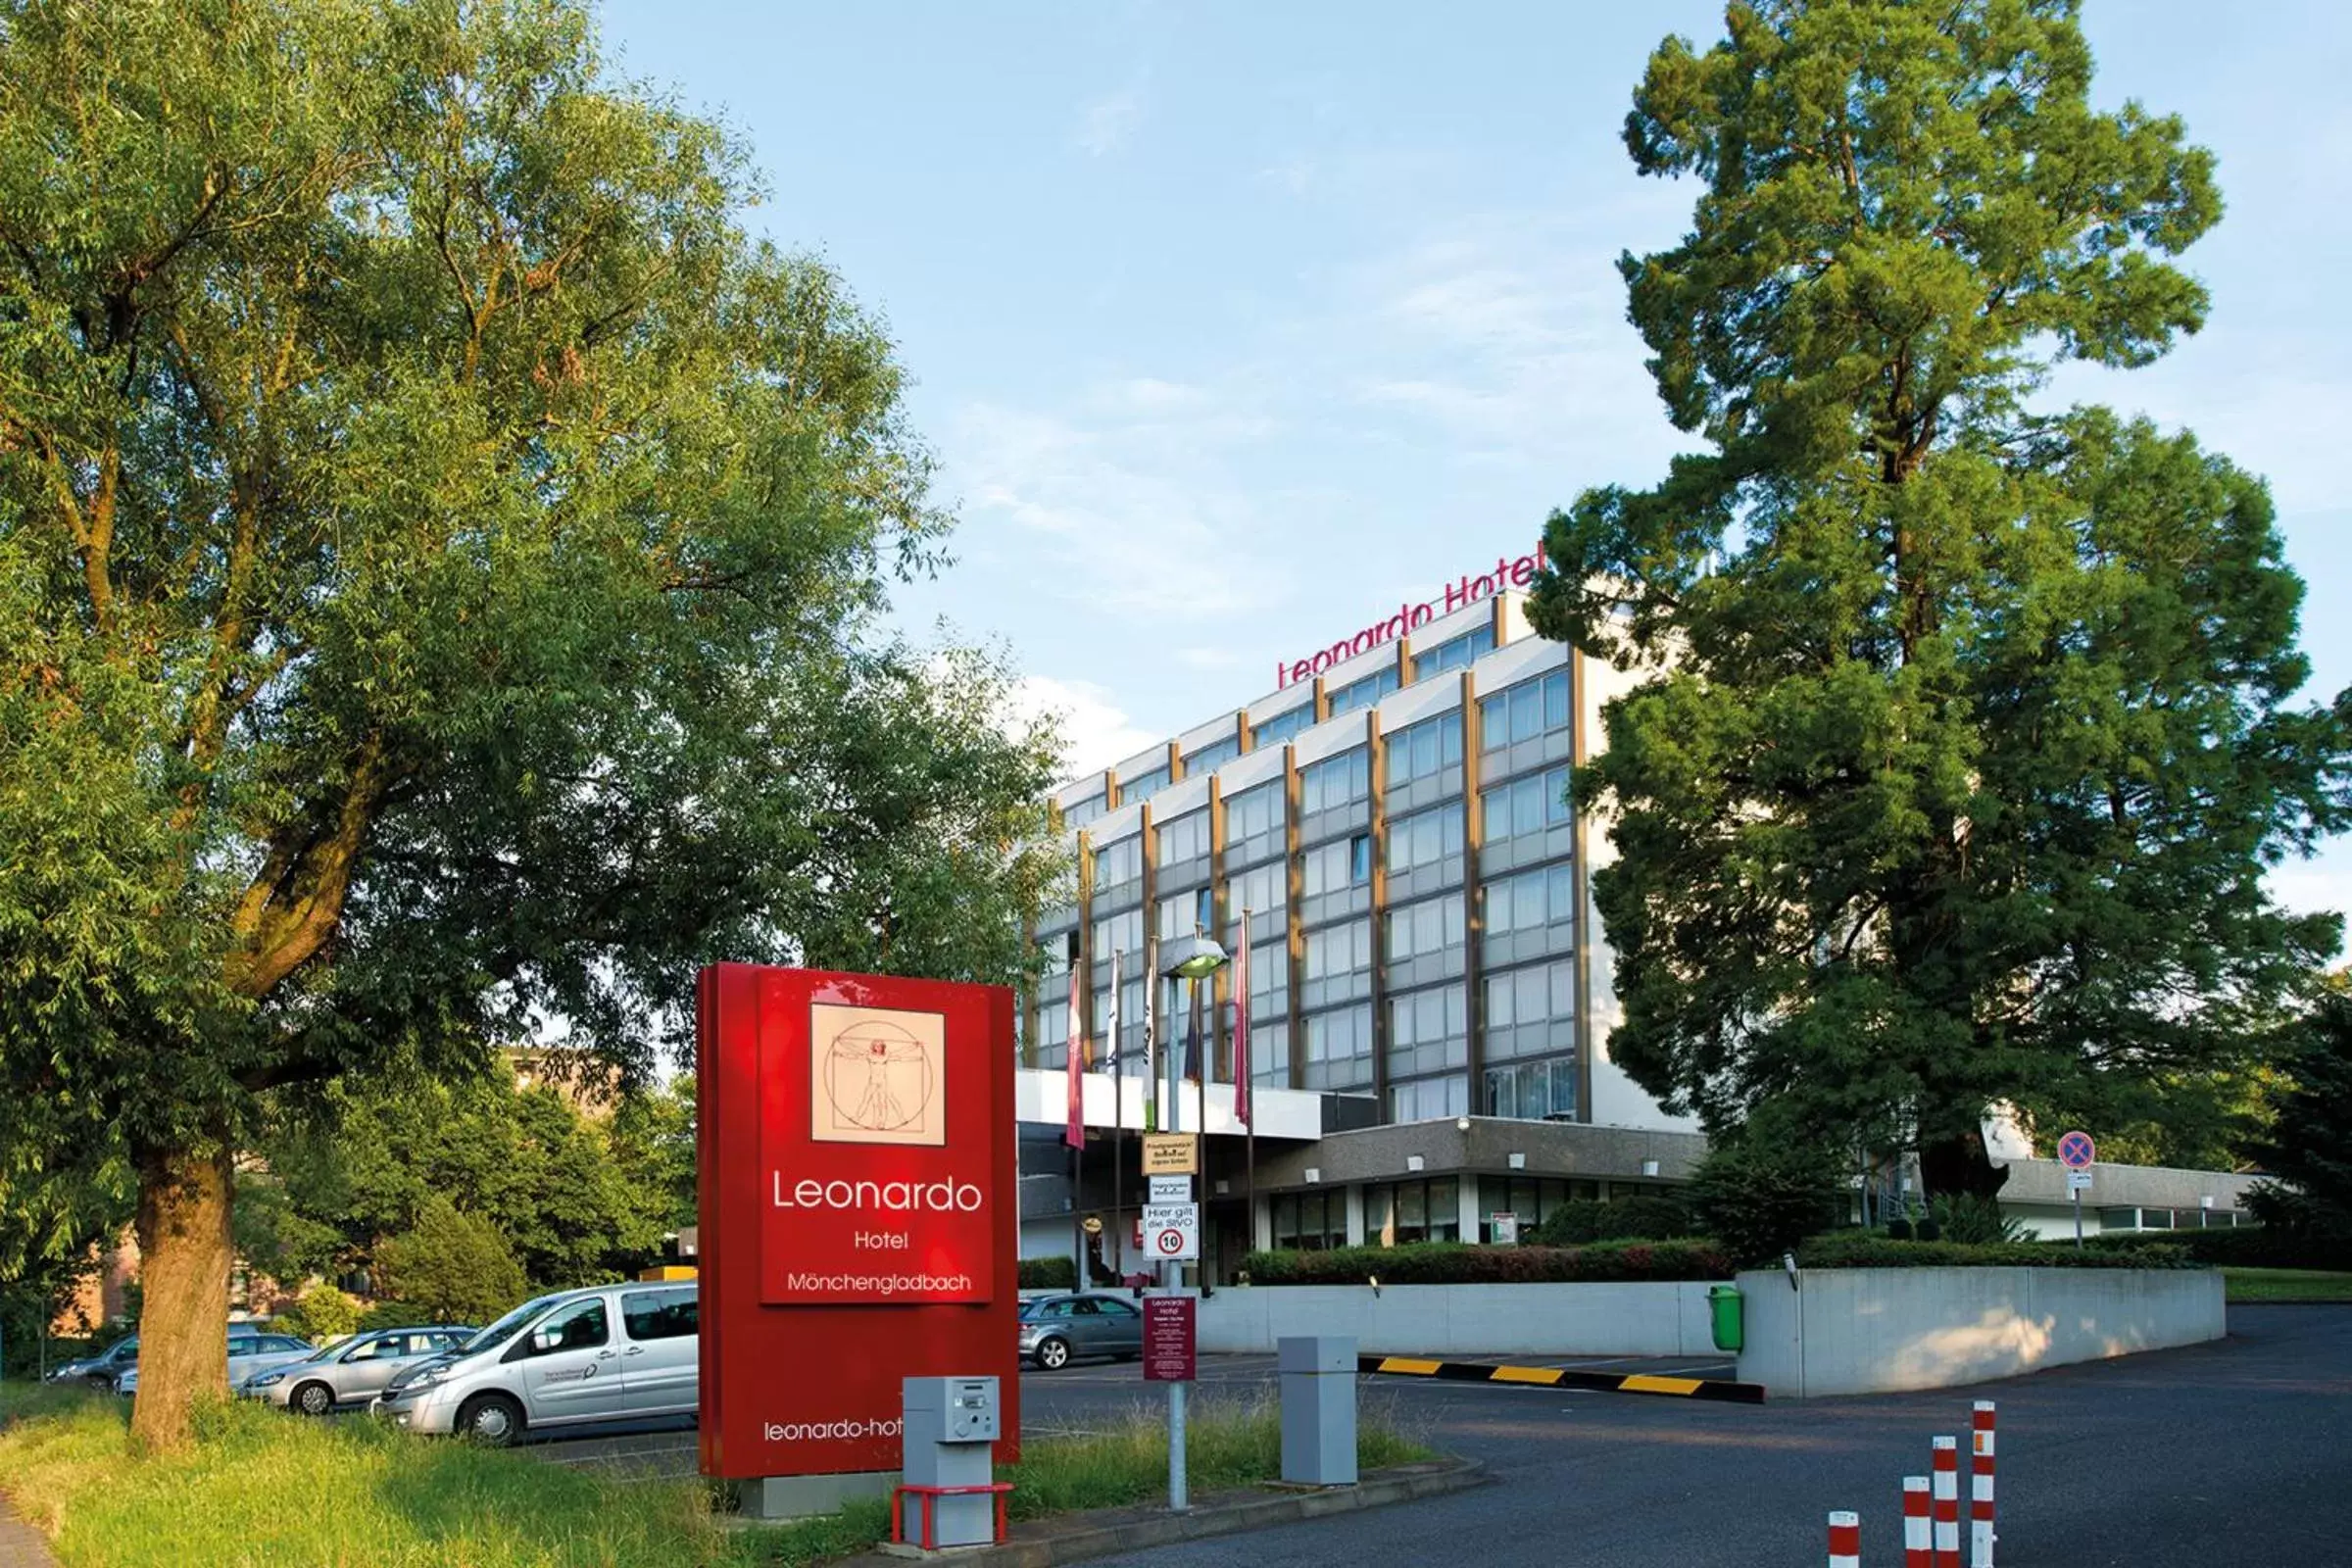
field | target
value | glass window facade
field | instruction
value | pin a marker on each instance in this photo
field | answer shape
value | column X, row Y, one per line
column 1425, row 836
column 1203, row 759
column 1527, row 805
column 1180, row 914
column 1524, row 711
column 1185, row 838
column 1426, row 749
column 1338, row 1048
column 1429, row 1099
column 1335, row 782
column 1270, row 1053
column 1078, row 813
column 1310, row 1221
column 1429, row 1032
column 1398, row 1213
column 1364, row 693
column 1253, row 813
column 1339, row 950
column 1143, row 786
column 1118, row 861
column 1456, row 653
column 1433, row 925
column 1538, row 993
column 1122, row 932
column 1545, row 896
column 1262, row 890
column 1342, row 863
column 1532, row 1091
column 1269, row 978
column 1280, row 727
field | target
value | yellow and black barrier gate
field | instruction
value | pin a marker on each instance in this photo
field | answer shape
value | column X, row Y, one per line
column 1554, row 1377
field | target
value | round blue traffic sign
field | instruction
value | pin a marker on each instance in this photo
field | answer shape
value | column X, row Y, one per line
column 2076, row 1150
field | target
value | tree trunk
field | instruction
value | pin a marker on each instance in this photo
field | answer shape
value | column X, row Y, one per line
column 183, row 1311
column 1955, row 1165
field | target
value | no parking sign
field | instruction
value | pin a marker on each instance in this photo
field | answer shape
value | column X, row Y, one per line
column 1172, row 1232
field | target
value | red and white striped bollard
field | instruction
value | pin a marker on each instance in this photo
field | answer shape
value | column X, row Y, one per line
column 1979, row 1488
column 1919, row 1530
column 1947, row 1503
column 1845, row 1541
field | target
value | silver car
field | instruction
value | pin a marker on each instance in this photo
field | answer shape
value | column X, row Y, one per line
column 1059, row 1328
column 610, row 1352
column 248, row 1354
column 351, row 1371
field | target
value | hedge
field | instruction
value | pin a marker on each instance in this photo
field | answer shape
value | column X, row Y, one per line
column 2244, row 1246
column 1869, row 1250
column 1457, row 1263
column 1642, row 1218
column 1047, row 1274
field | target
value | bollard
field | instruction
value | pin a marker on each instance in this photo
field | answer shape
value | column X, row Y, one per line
column 1979, row 1488
column 1845, row 1541
column 1919, row 1530
column 1947, row 1503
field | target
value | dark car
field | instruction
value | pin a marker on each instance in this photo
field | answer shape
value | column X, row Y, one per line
column 1057, row 1329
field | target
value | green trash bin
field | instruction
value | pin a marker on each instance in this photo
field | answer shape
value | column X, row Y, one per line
column 1725, row 1305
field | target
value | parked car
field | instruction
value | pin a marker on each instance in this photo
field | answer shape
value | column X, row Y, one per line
column 100, row 1370
column 610, row 1352
column 351, row 1370
column 248, row 1354
column 1058, row 1329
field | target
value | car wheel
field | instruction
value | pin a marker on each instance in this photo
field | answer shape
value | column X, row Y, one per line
column 313, row 1399
column 490, row 1418
column 1053, row 1354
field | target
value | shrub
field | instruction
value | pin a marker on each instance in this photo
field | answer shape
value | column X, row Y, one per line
column 324, row 1313
column 1760, row 1194
column 1647, row 1217
column 394, row 1315
column 1863, row 1249
column 1455, row 1263
column 2246, row 1246
column 453, row 1267
column 1974, row 1220
column 1047, row 1274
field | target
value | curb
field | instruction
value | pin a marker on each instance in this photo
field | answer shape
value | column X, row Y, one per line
column 1721, row 1389
column 1071, row 1538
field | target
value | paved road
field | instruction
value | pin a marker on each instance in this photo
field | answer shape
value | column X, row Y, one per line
column 2207, row 1458
column 2229, row 1453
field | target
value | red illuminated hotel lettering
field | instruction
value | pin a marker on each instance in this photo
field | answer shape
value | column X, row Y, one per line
column 1410, row 618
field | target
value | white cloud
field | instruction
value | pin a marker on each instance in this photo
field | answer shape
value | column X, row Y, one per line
column 1095, row 731
column 1107, row 123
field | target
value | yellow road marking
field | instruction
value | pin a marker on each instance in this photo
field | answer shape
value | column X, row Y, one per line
column 1640, row 1384
column 1527, row 1374
column 1405, row 1363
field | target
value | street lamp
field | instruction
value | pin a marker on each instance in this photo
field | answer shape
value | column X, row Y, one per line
column 1192, row 959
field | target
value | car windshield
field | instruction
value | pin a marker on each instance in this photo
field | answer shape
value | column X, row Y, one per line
column 500, row 1332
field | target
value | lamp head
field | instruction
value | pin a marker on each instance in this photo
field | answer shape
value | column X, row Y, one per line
column 1192, row 958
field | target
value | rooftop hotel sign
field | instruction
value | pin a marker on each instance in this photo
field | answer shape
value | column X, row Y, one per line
column 1468, row 590
column 857, row 1206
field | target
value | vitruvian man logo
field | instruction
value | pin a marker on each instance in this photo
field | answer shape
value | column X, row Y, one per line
column 876, row 1076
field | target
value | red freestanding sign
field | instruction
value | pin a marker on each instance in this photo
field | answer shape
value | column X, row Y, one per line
column 860, row 1211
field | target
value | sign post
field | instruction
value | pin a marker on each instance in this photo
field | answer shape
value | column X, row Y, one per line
column 1171, row 1273
column 2076, row 1151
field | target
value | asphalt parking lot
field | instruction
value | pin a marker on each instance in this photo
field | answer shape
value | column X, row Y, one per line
column 2233, row 1453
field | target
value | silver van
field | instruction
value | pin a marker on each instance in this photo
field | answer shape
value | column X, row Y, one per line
column 609, row 1353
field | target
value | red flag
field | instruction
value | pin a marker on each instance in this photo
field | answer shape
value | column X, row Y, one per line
column 1240, row 1024
column 1075, row 1136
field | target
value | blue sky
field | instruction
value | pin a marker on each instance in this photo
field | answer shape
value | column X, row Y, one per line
column 1232, row 323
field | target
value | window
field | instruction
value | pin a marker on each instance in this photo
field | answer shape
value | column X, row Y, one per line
column 1282, row 726
column 1531, row 1200
column 661, row 1314
column 1080, row 813
column 1454, row 653
column 1148, row 783
column 1105, row 1306
column 582, row 1326
column 1338, row 1048
column 1269, row 977
column 1425, row 836
column 1254, row 812
column 1209, row 755
column 1397, row 1214
column 1120, row 860
column 1532, row 1091
column 1364, row 693
column 1341, row 864
column 1429, row 1099
column 1530, row 900
column 1180, row 913
column 1524, row 711
column 1529, row 805
column 1261, row 890
column 1423, row 749
column 1339, row 950
column 1118, row 933
column 1270, row 1053
column 1335, row 782
column 1430, row 926
column 383, row 1348
column 1310, row 1222
column 1186, row 838
column 1536, row 994
column 1429, row 1031
column 1053, row 1021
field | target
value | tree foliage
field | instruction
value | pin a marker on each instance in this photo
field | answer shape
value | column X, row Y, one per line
column 1969, row 730
column 440, row 567
column 1760, row 1191
column 2308, row 1150
column 451, row 1267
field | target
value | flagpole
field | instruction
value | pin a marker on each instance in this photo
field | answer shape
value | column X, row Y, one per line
column 1118, row 1129
column 1075, row 1133
column 1245, row 1089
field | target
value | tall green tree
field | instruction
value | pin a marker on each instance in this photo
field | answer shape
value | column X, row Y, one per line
column 1968, row 729
column 440, row 562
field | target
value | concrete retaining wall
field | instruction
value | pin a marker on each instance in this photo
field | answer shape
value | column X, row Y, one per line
column 1875, row 1331
column 1641, row 1319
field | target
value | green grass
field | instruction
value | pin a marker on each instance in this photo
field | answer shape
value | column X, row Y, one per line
column 2288, row 1284
column 261, row 1488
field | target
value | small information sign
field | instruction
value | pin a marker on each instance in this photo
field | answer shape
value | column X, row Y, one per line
column 1171, row 1154
column 1169, row 1339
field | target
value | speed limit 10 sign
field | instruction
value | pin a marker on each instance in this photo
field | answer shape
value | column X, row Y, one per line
column 1172, row 1232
